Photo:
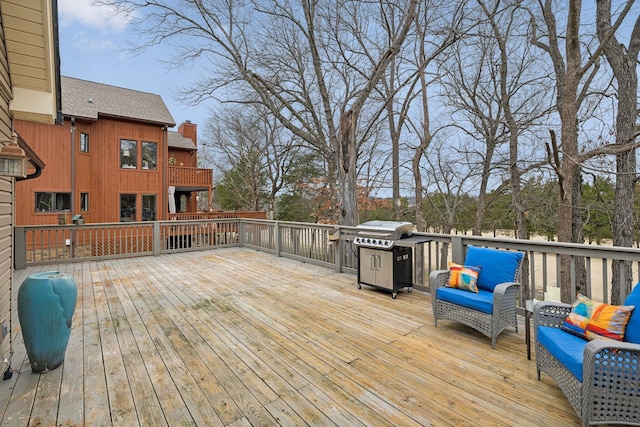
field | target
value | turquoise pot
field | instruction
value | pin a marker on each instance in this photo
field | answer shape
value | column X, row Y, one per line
column 46, row 302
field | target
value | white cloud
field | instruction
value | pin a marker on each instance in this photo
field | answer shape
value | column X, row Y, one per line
column 91, row 15
column 89, row 45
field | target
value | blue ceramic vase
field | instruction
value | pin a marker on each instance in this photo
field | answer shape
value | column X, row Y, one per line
column 46, row 302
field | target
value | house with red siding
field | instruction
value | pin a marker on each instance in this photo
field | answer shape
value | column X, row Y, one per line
column 113, row 159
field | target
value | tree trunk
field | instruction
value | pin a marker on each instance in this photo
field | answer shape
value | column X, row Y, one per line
column 347, row 157
column 567, row 81
column 624, row 66
column 425, row 141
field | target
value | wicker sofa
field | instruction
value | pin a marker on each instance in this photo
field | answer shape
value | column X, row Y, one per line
column 601, row 378
column 493, row 307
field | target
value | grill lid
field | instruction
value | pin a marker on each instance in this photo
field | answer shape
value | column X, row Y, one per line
column 382, row 234
column 397, row 228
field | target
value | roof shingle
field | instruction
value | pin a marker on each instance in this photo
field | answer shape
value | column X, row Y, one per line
column 176, row 140
column 81, row 98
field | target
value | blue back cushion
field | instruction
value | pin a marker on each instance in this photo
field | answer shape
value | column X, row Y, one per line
column 632, row 333
column 497, row 266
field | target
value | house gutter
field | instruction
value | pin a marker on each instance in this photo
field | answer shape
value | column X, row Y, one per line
column 56, row 52
column 35, row 161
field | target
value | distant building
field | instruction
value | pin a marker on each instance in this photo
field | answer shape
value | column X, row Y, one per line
column 112, row 159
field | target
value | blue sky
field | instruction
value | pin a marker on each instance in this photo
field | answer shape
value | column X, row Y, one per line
column 92, row 47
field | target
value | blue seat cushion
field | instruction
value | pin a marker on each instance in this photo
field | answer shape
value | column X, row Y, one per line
column 481, row 301
column 567, row 348
column 632, row 333
column 497, row 266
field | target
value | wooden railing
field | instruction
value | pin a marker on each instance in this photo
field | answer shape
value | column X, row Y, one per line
column 191, row 216
column 181, row 176
column 325, row 245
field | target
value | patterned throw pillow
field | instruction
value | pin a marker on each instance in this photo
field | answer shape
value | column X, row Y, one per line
column 463, row 277
column 591, row 320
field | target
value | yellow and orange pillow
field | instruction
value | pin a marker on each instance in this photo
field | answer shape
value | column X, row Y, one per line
column 463, row 277
column 591, row 319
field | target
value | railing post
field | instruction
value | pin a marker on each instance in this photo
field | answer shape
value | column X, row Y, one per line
column 276, row 231
column 241, row 231
column 457, row 249
column 157, row 247
column 19, row 248
column 337, row 251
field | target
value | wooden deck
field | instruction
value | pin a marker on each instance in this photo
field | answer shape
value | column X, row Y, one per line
column 234, row 337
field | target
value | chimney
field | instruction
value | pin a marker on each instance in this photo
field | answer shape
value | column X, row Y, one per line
column 189, row 130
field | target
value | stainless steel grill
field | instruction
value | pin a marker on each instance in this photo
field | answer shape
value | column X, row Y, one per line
column 382, row 262
column 382, row 234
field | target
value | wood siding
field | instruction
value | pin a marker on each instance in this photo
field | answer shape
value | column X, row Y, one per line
column 26, row 24
column 97, row 172
column 6, row 203
column 186, row 158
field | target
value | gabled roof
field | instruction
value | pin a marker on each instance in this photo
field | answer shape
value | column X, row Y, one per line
column 176, row 140
column 81, row 98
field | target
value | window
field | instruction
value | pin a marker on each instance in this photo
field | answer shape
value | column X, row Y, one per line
column 127, row 207
column 149, row 207
column 128, row 153
column 53, row 202
column 84, row 202
column 149, row 155
column 84, row 142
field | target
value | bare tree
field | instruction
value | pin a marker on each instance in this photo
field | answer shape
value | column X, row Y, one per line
column 520, row 89
column 347, row 148
column 422, row 126
column 235, row 143
column 296, row 58
column 515, row 78
column 404, row 85
column 447, row 201
column 472, row 91
column 573, row 77
column 624, row 63
column 257, row 152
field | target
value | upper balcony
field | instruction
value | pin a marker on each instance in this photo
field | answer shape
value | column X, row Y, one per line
column 191, row 178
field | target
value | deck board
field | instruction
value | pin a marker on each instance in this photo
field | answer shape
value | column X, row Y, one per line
column 234, row 337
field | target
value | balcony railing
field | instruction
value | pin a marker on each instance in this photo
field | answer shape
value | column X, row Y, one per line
column 180, row 176
column 191, row 216
column 325, row 245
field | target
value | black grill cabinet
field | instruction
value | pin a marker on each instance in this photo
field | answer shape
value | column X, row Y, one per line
column 390, row 269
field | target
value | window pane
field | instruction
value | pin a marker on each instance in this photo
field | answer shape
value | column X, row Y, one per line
column 127, row 207
column 128, row 152
column 44, row 202
column 149, row 155
column 84, row 202
column 148, row 207
column 84, row 142
column 63, row 201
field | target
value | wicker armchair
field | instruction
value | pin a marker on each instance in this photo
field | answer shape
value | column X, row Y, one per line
column 490, row 310
column 607, row 387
